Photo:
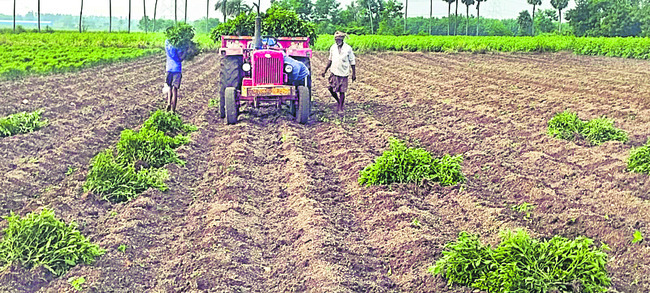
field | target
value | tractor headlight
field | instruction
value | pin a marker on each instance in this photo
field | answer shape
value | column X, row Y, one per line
column 288, row 68
column 246, row 67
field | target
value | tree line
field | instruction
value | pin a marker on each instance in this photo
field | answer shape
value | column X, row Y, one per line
column 611, row 18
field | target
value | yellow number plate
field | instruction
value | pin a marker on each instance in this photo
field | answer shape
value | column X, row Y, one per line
column 270, row 91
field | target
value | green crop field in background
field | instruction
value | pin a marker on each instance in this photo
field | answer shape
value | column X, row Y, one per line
column 37, row 53
column 614, row 47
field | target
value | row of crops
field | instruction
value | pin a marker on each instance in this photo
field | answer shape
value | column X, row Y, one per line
column 38, row 53
column 614, row 47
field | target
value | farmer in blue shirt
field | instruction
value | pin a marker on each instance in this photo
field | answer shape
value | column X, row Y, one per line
column 299, row 73
column 175, row 57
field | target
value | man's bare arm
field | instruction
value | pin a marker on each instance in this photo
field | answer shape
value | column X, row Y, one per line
column 329, row 63
column 354, row 73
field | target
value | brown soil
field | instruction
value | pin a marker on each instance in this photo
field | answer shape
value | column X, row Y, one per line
column 271, row 205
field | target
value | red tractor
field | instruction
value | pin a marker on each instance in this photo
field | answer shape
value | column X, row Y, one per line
column 253, row 71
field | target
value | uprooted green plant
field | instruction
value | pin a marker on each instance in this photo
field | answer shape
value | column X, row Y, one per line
column 119, row 181
column 567, row 125
column 402, row 164
column 135, row 164
column 167, row 122
column 522, row 264
column 150, row 146
column 639, row 160
column 39, row 239
column 22, row 122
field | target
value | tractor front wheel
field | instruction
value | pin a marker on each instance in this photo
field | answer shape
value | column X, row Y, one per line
column 304, row 105
column 230, row 105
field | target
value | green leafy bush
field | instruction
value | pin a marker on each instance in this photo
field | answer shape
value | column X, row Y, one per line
column 43, row 240
column 134, row 166
column 150, row 146
column 167, row 122
column 180, row 35
column 522, row 264
column 22, row 122
column 277, row 21
column 401, row 164
column 639, row 160
column 119, row 181
column 565, row 125
column 600, row 130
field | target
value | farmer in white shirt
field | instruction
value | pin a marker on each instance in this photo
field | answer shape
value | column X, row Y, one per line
column 340, row 60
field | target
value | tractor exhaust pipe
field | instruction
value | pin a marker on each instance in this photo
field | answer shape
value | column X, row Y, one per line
column 258, row 28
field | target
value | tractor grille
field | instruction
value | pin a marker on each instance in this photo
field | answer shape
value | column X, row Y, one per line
column 267, row 70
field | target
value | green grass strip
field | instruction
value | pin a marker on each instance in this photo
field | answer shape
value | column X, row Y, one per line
column 136, row 163
column 614, row 47
column 639, row 160
column 522, row 264
column 402, row 164
column 43, row 240
column 567, row 125
column 22, row 122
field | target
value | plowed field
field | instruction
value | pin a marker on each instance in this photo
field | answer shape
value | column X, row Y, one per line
column 268, row 205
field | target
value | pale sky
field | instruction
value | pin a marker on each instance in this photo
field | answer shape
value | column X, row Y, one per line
column 197, row 8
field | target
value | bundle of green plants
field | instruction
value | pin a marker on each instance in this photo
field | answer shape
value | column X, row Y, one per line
column 22, row 122
column 567, row 125
column 180, row 36
column 167, row 122
column 600, row 130
column 39, row 239
column 639, row 160
column 402, row 164
column 118, row 180
column 277, row 21
column 522, row 264
column 150, row 146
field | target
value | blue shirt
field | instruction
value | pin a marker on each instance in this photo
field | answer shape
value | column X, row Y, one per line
column 299, row 71
column 173, row 58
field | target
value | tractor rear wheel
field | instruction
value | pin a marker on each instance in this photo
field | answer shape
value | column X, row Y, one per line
column 230, row 105
column 304, row 105
column 231, row 75
column 307, row 62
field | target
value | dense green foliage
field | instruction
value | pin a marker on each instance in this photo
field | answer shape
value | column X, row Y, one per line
column 600, row 130
column 34, row 53
column 276, row 22
column 567, row 125
column 180, row 35
column 639, row 160
column 522, row 264
column 136, row 164
column 402, row 164
column 43, row 240
column 615, row 47
column 22, row 122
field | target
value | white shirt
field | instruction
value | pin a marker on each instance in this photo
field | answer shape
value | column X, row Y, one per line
column 341, row 61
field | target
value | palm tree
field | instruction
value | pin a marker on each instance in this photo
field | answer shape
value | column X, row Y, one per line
column 14, row 15
column 175, row 11
column 456, row 19
column 155, row 6
column 39, row 16
column 129, row 27
column 185, row 11
column 221, row 6
column 207, row 13
column 449, row 15
column 144, row 11
column 467, row 4
column 430, row 16
column 110, row 17
column 534, row 3
column 478, row 18
column 559, row 5
column 406, row 11
column 80, row 14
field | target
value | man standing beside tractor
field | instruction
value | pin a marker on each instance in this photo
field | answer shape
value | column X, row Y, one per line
column 341, row 59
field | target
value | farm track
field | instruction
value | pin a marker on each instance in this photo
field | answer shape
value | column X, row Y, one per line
column 271, row 205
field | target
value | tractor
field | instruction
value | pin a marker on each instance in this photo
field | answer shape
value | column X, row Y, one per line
column 253, row 71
